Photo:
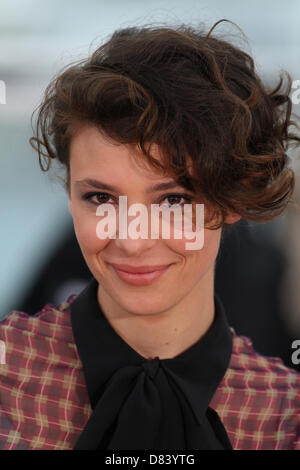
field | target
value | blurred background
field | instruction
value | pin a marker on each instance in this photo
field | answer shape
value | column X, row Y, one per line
column 258, row 269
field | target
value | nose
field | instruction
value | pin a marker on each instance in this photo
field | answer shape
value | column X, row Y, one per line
column 129, row 243
column 132, row 246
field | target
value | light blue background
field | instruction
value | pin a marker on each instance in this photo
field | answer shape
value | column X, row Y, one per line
column 37, row 38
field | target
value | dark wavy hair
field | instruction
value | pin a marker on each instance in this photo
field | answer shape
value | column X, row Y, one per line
column 223, row 135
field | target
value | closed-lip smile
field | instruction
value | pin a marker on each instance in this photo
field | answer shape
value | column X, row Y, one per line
column 139, row 275
column 139, row 269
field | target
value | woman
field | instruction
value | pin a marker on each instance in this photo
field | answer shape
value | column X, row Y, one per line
column 144, row 358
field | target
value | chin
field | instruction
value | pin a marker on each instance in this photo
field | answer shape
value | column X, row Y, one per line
column 136, row 308
column 141, row 302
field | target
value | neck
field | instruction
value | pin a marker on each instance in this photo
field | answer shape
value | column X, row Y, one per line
column 170, row 332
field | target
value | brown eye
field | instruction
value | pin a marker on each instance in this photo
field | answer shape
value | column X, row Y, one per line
column 98, row 198
column 102, row 198
column 175, row 199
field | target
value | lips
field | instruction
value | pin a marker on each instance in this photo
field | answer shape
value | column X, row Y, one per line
column 139, row 275
column 139, row 269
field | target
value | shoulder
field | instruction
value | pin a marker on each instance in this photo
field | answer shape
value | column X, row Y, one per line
column 252, row 368
column 259, row 398
column 41, row 380
column 50, row 324
column 45, row 337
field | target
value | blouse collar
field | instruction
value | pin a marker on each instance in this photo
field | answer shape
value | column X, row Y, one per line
column 197, row 371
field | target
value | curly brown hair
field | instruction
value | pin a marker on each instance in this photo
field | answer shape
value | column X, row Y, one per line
column 198, row 97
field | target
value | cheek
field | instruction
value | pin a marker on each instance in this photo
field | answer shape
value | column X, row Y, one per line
column 85, row 229
column 202, row 258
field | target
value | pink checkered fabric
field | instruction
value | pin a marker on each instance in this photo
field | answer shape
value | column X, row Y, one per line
column 44, row 402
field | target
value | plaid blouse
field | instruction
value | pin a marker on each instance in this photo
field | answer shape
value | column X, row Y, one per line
column 44, row 402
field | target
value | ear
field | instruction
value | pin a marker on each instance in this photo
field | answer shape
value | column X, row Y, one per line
column 232, row 217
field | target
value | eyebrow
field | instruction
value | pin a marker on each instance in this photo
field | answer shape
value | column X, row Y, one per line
column 100, row 185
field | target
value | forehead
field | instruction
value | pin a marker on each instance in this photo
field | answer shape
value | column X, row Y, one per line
column 92, row 152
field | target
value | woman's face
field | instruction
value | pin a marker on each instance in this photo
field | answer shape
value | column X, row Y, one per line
column 93, row 158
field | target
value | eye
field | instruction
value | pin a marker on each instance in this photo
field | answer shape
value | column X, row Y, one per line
column 98, row 198
column 176, row 199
